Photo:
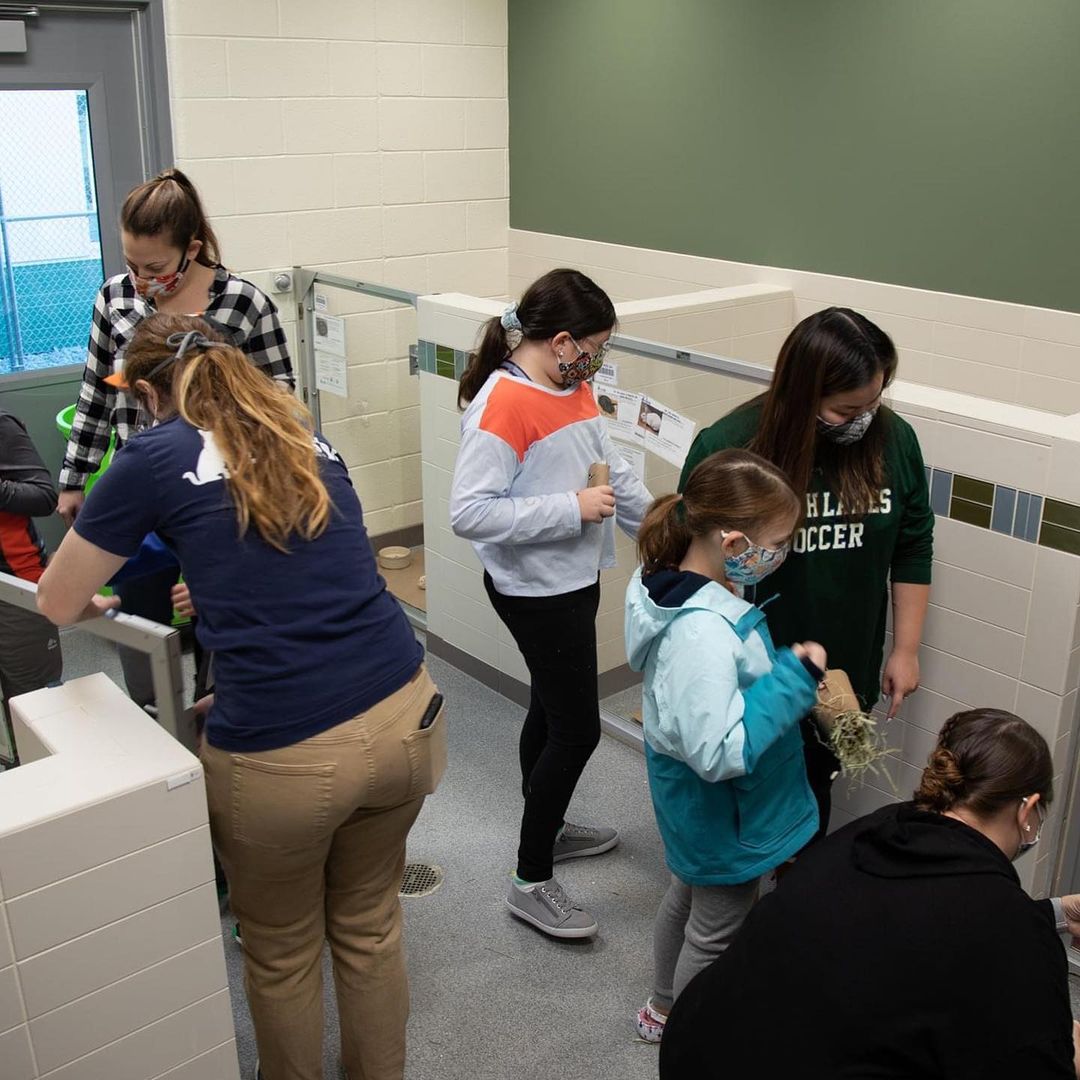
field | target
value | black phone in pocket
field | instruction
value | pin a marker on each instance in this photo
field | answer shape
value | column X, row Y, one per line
column 431, row 712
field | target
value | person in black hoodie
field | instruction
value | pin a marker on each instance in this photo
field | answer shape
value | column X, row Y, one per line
column 903, row 945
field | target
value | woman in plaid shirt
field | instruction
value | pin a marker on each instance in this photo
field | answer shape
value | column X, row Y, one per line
column 174, row 265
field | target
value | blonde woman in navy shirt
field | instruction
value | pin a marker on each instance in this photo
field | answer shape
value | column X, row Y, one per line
column 325, row 732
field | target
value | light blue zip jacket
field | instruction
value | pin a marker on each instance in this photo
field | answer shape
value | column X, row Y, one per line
column 721, row 711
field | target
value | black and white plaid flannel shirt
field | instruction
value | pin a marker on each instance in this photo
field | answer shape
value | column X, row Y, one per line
column 236, row 307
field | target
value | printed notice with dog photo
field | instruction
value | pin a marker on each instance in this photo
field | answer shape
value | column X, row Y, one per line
column 666, row 432
column 329, row 334
column 331, row 370
column 620, row 408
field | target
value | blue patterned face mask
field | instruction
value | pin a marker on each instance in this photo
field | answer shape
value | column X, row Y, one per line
column 849, row 432
column 755, row 563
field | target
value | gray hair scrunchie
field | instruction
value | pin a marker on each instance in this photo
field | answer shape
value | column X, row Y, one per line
column 182, row 342
column 510, row 320
column 512, row 325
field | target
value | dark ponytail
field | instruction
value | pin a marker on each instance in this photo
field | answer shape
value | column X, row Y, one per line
column 984, row 760
column 170, row 204
column 733, row 489
column 560, row 300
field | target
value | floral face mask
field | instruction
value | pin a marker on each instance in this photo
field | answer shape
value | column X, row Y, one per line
column 161, row 285
column 583, row 367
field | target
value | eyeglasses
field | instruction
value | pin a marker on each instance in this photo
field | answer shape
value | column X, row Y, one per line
column 598, row 353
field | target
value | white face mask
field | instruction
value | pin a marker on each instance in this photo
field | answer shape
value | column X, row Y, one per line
column 1027, row 845
column 851, row 431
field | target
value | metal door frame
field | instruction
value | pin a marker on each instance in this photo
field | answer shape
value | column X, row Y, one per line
column 155, row 127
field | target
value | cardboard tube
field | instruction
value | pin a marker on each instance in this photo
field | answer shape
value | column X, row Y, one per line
column 835, row 696
column 599, row 474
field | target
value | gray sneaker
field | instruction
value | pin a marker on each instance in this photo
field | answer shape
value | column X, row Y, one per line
column 549, row 909
column 580, row 840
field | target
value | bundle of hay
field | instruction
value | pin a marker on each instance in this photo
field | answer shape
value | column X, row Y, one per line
column 851, row 734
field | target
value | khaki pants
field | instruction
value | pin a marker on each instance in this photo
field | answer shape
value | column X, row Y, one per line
column 312, row 840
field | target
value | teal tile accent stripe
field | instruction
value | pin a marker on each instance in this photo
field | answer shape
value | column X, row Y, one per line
column 1064, row 514
column 972, row 513
column 441, row 360
column 1020, row 514
column 1056, row 536
column 976, row 491
column 444, row 362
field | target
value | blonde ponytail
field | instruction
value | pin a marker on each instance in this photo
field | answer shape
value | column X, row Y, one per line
column 273, row 472
column 265, row 436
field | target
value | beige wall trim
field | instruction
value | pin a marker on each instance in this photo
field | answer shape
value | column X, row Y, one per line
column 409, row 536
column 610, row 682
column 492, row 677
column 618, row 679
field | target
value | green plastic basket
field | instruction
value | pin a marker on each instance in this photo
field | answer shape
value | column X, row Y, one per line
column 64, row 419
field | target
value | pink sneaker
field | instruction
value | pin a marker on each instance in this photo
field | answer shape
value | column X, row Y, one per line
column 650, row 1023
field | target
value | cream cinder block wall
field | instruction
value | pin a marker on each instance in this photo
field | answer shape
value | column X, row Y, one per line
column 1024, row 355
column 368, row 138
column 111, row 960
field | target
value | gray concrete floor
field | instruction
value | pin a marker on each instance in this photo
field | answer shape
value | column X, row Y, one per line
column 493, row 999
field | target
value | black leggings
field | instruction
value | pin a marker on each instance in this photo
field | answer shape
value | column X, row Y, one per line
column 821, row 766
column 557, row 637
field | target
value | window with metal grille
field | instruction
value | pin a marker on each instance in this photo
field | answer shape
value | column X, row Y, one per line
column 50, row 242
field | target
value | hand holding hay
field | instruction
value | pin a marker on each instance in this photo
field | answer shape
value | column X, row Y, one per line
column 851, row 734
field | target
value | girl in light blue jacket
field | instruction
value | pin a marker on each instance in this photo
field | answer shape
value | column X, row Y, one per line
column 721, row 708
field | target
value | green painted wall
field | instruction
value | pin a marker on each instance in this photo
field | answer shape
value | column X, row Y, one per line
column 933, row 143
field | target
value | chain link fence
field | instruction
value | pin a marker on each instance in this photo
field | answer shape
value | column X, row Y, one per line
column 50, row 244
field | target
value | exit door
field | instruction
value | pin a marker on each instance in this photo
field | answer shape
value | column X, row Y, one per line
column 84, row 116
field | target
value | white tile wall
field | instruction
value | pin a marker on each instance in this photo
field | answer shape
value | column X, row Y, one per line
column 1003, row 628
column 108, row 906
column 323, row 134
column 458, row 609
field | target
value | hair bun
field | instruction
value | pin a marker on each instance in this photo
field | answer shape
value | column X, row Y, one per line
column 942, row 783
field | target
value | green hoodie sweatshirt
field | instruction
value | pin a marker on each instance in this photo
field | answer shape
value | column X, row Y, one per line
column 833, row 588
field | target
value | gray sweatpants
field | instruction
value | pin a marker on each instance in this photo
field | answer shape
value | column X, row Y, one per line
column 694, row 925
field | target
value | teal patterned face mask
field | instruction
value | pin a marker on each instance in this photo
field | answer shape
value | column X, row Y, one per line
column 755, row 563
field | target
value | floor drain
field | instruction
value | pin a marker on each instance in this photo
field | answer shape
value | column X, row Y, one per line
column 420, row 879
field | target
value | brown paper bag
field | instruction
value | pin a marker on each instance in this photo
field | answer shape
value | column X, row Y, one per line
column 599, row 474
column 835, row 696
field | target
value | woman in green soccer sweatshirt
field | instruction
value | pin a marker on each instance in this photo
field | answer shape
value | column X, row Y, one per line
column 868, row 520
